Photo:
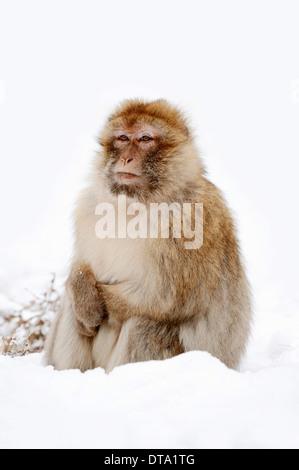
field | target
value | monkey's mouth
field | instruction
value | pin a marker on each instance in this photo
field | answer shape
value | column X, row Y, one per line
column 133, row 185
column 127, row 178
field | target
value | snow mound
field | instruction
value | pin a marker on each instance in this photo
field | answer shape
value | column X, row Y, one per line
column 191, row 401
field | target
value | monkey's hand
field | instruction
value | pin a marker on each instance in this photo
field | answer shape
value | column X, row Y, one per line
column 88, row 303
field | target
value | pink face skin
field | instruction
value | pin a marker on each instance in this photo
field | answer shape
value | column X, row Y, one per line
column 133, row 143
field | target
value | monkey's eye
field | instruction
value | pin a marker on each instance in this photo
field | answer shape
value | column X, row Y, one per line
column 146, row 138
column 123, row 138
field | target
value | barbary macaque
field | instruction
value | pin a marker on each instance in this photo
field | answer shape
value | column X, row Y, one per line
column 132, row 299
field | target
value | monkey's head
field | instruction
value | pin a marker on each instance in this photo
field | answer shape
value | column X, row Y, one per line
column 149, row 152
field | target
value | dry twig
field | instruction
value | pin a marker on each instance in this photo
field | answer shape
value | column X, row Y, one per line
column 29, row 326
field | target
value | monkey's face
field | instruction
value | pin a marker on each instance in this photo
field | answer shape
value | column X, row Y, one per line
column 133, row 163
column 145, row 154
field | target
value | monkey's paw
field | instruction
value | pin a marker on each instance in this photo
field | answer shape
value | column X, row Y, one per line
column 90, row 314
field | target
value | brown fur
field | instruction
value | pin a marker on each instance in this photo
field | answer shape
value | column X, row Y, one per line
column 167, row 299
column 132, row 111
column 87, row 300
column 151, row 340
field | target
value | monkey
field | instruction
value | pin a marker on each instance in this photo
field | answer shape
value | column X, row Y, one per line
column 139, row 299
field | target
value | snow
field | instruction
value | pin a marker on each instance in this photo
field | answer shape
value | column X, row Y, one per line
column 234, row 69
column 191, row 401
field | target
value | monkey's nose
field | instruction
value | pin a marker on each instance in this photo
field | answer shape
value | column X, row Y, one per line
column 127, row 160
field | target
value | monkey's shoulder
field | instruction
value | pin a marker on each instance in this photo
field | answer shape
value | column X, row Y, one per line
column 216, row 212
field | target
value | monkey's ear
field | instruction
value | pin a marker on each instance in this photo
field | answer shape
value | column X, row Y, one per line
column 101, row 141
column 106, row 136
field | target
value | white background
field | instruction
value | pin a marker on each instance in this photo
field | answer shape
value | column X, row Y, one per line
column 233, row 66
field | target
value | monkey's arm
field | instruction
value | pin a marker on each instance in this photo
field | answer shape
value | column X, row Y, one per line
column 164, row 297
column 124, row 301
column 93, row 301
column 88, row 303
column 121, row 304
column 165, row 294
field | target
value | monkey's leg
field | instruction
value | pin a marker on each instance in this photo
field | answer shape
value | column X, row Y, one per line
column 223, row 331
column 143, row 339
column 65, row 347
